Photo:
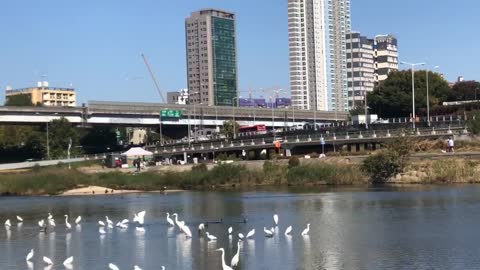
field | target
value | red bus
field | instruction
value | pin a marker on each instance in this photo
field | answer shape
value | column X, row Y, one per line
column 252, row 130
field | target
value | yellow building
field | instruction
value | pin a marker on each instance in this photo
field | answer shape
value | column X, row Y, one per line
column 45, row 95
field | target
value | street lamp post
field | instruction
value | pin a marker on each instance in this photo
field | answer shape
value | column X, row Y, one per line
column 233, row 124
column 48, row 144
column 413, row 89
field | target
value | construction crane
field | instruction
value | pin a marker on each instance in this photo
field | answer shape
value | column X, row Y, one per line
column 153, row 77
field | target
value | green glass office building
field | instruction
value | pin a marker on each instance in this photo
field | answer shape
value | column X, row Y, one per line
column 212, row 58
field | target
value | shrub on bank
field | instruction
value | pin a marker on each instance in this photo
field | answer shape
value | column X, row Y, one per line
column 324, row 173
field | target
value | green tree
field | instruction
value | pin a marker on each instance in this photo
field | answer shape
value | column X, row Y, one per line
column 19, row 100
column 466, row 90
column 358, row 110
column 229, row 127
column 388, row 162
column 99, row 140
column 60, row 133
column 393, row 97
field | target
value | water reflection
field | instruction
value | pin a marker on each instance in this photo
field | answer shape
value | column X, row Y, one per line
column 420, row 228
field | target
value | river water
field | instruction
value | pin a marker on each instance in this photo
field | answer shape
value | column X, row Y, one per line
column 420, row 227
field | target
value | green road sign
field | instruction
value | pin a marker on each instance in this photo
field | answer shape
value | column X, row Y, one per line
column 171, row 113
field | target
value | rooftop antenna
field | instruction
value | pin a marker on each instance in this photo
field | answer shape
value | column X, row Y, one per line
column 153, row 77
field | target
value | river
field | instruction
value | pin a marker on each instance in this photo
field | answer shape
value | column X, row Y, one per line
column 422, row 227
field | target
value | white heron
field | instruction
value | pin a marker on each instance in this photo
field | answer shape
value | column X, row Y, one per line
column 139, row 217
column 187, row 231
column 50, row 216
column 29, row 255
column 241, row 236
column 136, row 267
column 288, row 230
column 122, row 226
column 140, row 229
column 20, row 219
column 305, row 232
column 8, row 223
column 275, row 219
column 66, row 222
column 236, row 257
column 68, row 261
column 163, row 267
column 41, row 223
column 211, row 237
column 125, row 221
column 268, row 233
column 230, row 230
column 112, row 266
column 201, row 227
column 224, row 265
column 109, row 222
column 101, row 230
column 169, row 220
column 51, row 222
column 251, row 233
column 179, row 223
column 78, row 220
column 101, row 223
column 110, row 226
column 47, row 260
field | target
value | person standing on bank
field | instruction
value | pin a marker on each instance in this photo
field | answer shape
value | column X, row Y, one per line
column 450, row 145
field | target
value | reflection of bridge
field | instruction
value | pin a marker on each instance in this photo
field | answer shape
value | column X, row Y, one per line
column 148, row 114
column 352, row 142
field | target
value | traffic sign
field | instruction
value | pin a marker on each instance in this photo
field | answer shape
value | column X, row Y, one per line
column 171, row 113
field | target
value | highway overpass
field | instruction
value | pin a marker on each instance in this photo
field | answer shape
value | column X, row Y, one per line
column 148, row 114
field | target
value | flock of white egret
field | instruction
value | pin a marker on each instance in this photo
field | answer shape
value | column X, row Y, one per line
column 138, row 221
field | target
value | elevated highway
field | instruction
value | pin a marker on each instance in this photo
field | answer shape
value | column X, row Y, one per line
column 148, row 114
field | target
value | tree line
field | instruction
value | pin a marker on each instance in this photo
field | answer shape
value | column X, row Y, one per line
column 393, row 97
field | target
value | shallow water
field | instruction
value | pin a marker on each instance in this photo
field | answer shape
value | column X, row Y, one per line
column 402, row 228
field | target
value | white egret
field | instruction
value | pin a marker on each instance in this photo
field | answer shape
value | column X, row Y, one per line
column 101, row 223
column 187, row 231
column 29, row 255
column 112, row 266
column 268, row 233
column 139, row 217
column 47, row 260
column 50, row 216
column 201, row 227
column 163, row 267
column 78, row 220
column 109, row 222
column 241, row 236
column 7, row 223
column 140, row 229
column 236, row 257
column 123, row 226
column 101, row 230
column 110, row 226
column 230, row 230
column 169, row 220
column 20, row 219
column 251, row 233
column 41, row 223
column 51, row 222
column 211, row 237
column 275, row 219
column 125, row 221
column 179, row 223
column 136, row 267
column 288, row 230
column 68, row 261
column 224, row 265
column 305, row 232
column 66, row 222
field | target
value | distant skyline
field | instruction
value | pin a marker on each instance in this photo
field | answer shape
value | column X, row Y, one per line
column 95, row 46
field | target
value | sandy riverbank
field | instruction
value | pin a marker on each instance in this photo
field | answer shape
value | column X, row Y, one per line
column 96, row 190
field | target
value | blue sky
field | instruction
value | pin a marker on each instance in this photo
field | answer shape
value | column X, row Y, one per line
column 95, row 45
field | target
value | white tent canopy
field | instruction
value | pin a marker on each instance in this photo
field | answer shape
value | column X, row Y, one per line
column 137, row 151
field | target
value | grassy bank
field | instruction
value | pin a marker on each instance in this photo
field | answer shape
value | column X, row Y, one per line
column 56, row 180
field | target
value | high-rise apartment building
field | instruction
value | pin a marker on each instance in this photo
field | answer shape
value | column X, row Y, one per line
column 386, row 56
column 361, row 68
column 211, row 57
column 318, row 64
